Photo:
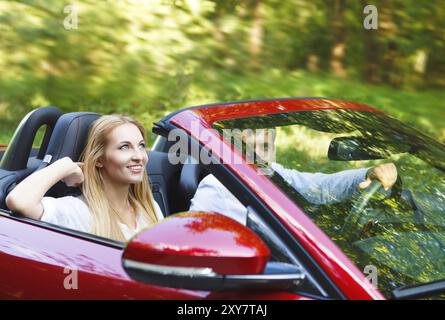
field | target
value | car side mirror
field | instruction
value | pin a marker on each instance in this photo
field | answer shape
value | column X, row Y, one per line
column 355, row 148
column 205, row 251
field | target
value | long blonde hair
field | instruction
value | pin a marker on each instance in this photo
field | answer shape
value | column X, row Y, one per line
column 104, row 218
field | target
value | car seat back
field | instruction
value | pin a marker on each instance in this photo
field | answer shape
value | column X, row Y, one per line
column 68, row 140
column 191, row 175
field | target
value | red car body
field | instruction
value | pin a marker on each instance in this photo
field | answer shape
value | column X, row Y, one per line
column 34, row 256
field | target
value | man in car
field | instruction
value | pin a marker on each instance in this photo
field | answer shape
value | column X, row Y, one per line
column 318, row 188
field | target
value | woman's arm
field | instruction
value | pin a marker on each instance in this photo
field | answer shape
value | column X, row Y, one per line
column 26, row 197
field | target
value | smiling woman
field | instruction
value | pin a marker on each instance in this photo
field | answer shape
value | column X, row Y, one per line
column 116, row 200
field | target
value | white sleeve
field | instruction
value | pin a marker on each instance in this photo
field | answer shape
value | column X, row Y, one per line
column 213, row 196
column 69, row 212
column 158, row 211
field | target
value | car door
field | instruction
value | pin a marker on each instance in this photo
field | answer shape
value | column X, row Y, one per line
column 39, row 261
column 42, row 261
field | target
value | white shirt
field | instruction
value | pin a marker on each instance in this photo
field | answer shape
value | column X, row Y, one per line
column 72, row 212
column 318, row 188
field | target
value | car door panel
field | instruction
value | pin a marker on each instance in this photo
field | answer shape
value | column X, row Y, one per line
column 39, row 263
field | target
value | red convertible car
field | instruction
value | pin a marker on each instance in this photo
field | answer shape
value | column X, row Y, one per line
column 374, row 244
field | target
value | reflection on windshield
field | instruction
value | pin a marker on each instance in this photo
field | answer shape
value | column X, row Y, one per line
column 400, row 231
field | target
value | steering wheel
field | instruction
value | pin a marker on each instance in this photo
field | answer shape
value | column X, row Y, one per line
column 366, row 198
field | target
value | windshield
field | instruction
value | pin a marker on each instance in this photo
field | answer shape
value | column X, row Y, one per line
column 320, row 157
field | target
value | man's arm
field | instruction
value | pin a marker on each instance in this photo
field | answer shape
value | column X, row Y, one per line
column 322, row 188
column 213, row 196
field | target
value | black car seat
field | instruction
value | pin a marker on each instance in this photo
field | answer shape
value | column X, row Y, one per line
column 163, row 177
column 191, row 175
column 68, row 140
column 18, row 161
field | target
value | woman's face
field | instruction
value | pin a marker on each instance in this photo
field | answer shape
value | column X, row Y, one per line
column 125, row 155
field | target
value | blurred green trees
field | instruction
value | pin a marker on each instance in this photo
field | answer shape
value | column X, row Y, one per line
column 147, row 58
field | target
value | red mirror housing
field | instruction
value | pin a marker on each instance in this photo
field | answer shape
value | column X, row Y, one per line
column 201, row 240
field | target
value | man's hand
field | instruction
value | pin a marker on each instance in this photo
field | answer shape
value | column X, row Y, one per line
column 385, row 173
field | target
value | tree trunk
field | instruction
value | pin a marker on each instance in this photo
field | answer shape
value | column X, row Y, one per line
column 256, row 34
column 371, row 68
column 338, row 50
column 390, row 61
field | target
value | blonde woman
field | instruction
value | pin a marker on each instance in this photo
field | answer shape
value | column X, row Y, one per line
column 116, row 199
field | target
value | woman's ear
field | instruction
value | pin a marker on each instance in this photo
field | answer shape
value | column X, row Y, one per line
column 99, row 164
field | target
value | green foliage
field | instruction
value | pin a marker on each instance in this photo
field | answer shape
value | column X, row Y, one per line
column 148, row 58
column 422, row 109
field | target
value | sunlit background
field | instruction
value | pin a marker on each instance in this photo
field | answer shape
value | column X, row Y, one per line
column 148, row 58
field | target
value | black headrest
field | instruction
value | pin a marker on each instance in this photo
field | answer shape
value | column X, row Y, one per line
column 68, row 140
column 19, row 148
column 69, row 136
column 191, row 175
column 17, row 161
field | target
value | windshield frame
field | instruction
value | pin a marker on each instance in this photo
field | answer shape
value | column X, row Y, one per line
column 323, row 251
column 409, row 133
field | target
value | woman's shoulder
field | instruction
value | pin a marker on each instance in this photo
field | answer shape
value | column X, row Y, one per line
column 67, row 205
column 78, row 201
column 65, row 210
